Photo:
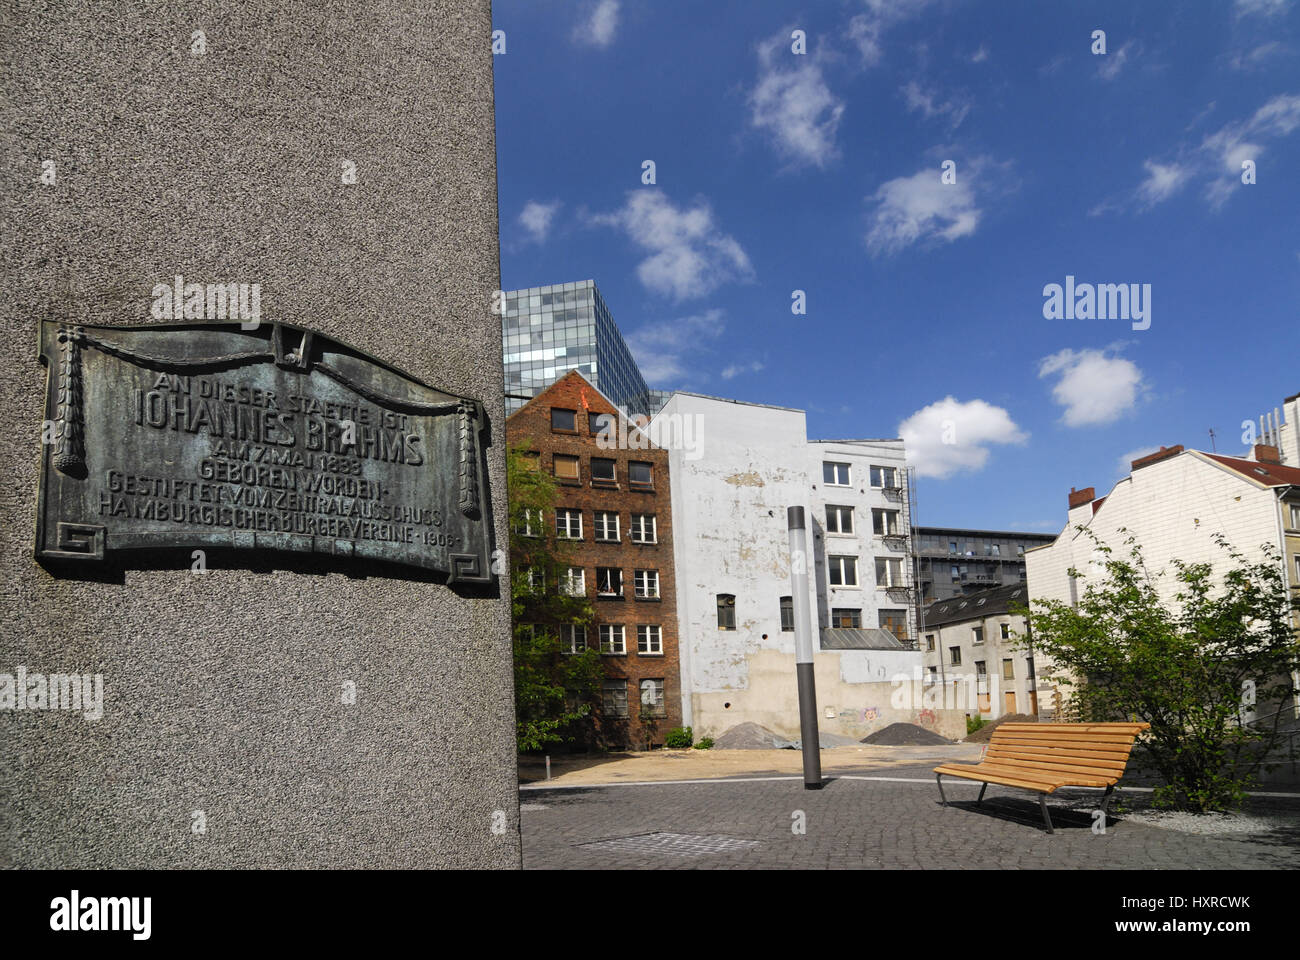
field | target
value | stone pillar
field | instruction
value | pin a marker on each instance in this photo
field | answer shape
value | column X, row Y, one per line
column 341, row 156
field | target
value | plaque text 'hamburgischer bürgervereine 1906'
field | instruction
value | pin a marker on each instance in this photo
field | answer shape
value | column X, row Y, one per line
column 206, row 434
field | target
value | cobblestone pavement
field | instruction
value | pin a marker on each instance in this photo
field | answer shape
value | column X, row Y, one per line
column 739, row 824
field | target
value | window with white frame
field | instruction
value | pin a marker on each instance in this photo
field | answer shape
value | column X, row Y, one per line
column 640, row 475
column 534, row 578
column 976, row 634
column 609, row 582
column 842, row 571
column 613, row 699
column 603, row 471
column 530, row 522
column 644, row 528
column 573, row 638
column 612, row 639
column 835, row 474
column 884, row 523
column 649, row 639
column 884, row 477
column 1295, row 516
column 568, row 524
column 575, row 582
column 889, row 572
column 839, row 519
column 606, row 526
column 652, row 698
column 646, row 584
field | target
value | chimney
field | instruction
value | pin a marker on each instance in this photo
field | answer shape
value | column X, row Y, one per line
column 1266, row 453
column 1164, row 453
column 1079, row 497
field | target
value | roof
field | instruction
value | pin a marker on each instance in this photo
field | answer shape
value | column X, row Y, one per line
column 850, row 638
column 1000, row 534
column 1269, row 474
column 985, row 603
column 741, row 403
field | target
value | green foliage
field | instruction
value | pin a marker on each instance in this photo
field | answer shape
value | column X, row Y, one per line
column 705, row 743
column 1182, row 666
column 679, row 738
column 974, row 723
column 554, row 690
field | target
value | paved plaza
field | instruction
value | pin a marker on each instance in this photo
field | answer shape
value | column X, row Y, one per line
column 888, row 819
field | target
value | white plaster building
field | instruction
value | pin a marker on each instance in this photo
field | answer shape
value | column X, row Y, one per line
column 731, row 489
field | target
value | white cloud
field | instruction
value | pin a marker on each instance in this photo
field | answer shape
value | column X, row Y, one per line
column 600, row 26
column 949, row 436
column 536, row 219
column 1266, row 8
column 921, row 207
column 927, row 101
column 1094, row 386
column 736, row 369
column 1124, row 465
column 664, row 349
column 1111, row 63
column 1162, row 182
column 793, row 105
column 688, row 255
column 980, row 55
column 1256, row 56
column 867, row 30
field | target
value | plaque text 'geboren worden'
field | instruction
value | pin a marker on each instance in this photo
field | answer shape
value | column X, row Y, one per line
column 206, row 434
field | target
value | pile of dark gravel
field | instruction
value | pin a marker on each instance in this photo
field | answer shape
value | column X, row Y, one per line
column 904, row 735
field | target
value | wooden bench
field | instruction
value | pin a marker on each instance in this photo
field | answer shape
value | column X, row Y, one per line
column 1044, row 756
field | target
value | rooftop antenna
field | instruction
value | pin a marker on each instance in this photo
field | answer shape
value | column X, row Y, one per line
column 1213, row 448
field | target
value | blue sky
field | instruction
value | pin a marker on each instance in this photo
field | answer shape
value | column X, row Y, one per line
column 823, row 171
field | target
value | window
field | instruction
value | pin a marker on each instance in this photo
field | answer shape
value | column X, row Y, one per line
column 836, row 474
column 1029, row 667
column 575, row 582
column 1004, row 631
column 889, row 572
column 956, row 572
column 976, row 634
column 954, row 656
column 845, row 617
column 884, row 523
column 566, row 467
column 573, row 638
column 530, row 523
column 929, row 642
column 534, row 578
column 886, row 477
column 952, row 547
column 646, row 584
column 1008, row 670
column 614, row 698
column 649, row 639
column 1020, row 549
column 644, row 528
column 599, row 422
column 606, row 526
column 568, row 524
column 652, row 698
column 602, row 471
column 640, row 476
column 843, row 571
column 839, row 519
column 612, row 640
column 934, row 675
column 609, row 582
column 895, row 621
column 787, row 614
column 997, row 550
column 726, row 611
column 564, row 421
column 1295, row 516
column 532, row 461
column 981, row 671
column 1297, row 569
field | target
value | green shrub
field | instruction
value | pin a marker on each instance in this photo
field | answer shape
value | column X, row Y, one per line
column 679, row 738
column 973, row 724
column 706, row 743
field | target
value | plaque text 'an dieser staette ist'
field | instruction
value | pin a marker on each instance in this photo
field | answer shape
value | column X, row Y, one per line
column 205, row 434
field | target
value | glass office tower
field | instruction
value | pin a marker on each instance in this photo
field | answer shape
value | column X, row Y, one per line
column 548, row 331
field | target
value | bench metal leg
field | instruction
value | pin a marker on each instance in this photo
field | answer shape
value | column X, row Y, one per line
column 980, row 798
column 938, row 778
column 1042, row 803
column 1105, row 802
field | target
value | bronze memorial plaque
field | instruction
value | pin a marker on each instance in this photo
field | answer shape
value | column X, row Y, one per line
column 210, row 435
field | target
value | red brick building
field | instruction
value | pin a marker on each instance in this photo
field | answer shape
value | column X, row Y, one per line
column 614, row 510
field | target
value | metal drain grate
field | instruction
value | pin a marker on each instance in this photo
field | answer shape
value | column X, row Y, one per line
column 670, row 844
